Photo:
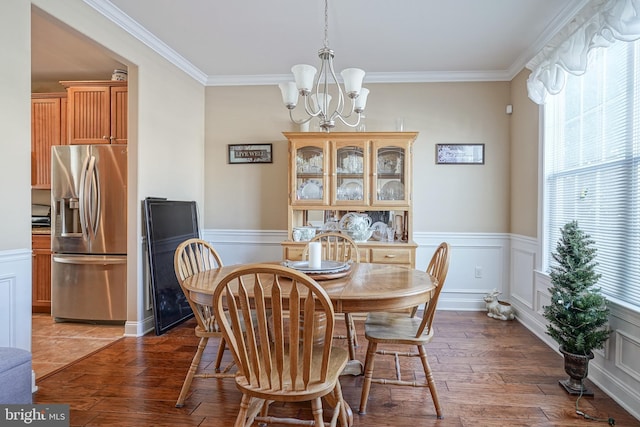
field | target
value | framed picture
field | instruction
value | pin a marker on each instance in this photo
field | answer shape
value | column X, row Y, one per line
column 255, row 153
column 459, row 154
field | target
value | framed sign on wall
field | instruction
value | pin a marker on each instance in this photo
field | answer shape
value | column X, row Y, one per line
column 254, row 153
column 460, row 154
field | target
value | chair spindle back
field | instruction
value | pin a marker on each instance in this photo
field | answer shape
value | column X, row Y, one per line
column 275, row 350
column 438, row 268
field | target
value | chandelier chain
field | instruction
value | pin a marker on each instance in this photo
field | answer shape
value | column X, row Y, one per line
column 326, row 23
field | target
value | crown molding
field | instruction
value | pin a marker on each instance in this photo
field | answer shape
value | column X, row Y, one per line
column 118, row 17
column 123, row 20
column 406, row 77
column 559, row 22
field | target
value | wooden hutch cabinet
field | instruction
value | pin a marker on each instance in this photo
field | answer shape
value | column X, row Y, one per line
column 97, row 111
column 48, row 128
column 41, row 273
column 332, row 174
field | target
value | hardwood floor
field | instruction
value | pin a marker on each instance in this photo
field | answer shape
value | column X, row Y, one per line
column 56, row 345
column 488, row 373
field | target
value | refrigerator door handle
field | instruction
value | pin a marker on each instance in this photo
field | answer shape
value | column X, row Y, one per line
column 91, row 260
column 94, row 185
column 89, row 199
column 83, row 200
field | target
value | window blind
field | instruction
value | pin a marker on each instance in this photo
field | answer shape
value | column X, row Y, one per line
column 592, row 165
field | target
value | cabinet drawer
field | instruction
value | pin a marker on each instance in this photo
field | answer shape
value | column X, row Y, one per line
column 293, row 253
column 41, row 241
column 365, row 255
column 391, row 255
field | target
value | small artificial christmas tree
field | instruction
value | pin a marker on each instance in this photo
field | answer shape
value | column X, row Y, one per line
column 578, row 310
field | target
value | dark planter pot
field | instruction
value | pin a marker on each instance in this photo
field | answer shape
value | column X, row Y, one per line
column 577, row 367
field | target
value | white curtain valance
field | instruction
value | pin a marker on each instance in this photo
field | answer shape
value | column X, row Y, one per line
column 598, row 24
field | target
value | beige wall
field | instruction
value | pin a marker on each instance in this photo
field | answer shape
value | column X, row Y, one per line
column 179, row 132
column 245, row 196
column 166, row 126
column 524, row 159
column 447, row 198
column 15, row 124
column 166, row 135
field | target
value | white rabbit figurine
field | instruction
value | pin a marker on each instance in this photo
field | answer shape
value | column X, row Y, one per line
column 498, row 309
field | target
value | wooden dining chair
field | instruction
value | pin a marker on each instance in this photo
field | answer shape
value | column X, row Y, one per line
column 339, row 247
column 193, row 256
column 401, row 329
column 277, row 358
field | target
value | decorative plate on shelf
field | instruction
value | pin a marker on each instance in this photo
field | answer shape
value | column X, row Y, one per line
column 392, row 190
column 310, row 189
column 350, row 191
column 387, row 163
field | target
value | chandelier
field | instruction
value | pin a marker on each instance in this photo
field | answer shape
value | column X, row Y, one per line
column 315, row 91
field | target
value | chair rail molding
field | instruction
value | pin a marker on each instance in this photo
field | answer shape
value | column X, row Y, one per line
column 472, row 255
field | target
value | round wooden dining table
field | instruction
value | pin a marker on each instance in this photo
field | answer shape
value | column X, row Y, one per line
column 367, row 287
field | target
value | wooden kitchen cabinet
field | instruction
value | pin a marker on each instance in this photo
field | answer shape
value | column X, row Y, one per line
column 48, row 128
column 332, row 174
column 97, row 111
column 41, row 273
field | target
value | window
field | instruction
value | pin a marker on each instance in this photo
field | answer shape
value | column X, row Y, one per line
column 591, row 165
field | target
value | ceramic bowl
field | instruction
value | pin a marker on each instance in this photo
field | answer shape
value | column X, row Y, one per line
column 303, row 234
column 360, row 235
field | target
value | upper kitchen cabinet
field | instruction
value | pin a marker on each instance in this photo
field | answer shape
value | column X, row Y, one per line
column 48, row 128
column 97, row 111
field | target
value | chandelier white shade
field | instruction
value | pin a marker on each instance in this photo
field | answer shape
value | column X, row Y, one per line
column 314, row 87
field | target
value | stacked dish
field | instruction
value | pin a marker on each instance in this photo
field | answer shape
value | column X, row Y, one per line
column 360, row 236
column 328, row 270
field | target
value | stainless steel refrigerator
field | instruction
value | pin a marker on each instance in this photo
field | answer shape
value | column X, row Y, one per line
column 89, row 232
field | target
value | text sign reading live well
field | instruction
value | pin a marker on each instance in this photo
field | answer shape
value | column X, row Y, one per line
column 34, row 415
column 256, row 153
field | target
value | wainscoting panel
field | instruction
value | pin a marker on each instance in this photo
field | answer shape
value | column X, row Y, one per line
column 616, row 368
column 523, row 261
column 479, row 263
column 627, row 351
column 542, row 283
column 15, row 299
column 245, row 246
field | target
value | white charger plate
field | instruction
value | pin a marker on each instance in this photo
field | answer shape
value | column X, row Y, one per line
column 326, row 266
